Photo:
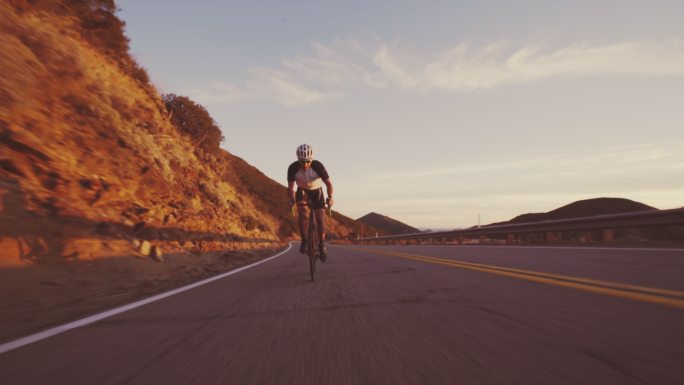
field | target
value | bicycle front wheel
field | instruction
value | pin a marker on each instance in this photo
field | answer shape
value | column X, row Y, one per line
column 313, row 247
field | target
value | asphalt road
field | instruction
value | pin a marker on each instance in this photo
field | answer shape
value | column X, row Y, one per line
column 393, row 315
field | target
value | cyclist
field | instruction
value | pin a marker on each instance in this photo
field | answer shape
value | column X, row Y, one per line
column 310, row 175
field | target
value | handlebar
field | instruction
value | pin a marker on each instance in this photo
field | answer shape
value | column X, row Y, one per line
column 327, row 205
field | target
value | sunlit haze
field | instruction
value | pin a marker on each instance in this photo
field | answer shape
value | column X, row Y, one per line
column 435, row 113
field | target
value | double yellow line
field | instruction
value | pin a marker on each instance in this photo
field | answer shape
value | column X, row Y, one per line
column 670, row 298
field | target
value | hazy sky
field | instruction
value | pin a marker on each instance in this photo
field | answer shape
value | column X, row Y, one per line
column 433, row 112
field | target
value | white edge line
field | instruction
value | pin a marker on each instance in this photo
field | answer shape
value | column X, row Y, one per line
column 6, row 347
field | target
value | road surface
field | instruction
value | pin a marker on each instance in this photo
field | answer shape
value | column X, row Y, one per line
column 393, row 315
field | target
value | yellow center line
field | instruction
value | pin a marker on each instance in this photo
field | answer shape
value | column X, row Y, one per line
column 614, row 289
column 616, row 285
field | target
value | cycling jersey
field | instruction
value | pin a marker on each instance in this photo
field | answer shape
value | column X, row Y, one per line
column 309, row 179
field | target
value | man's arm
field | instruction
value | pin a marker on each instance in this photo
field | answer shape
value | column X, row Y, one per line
column 329, row 187
column 291, row 192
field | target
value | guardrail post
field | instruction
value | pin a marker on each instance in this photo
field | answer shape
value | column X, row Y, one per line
column 607, row 235
column 585, row 237
column 510, row 238
column 551, row 236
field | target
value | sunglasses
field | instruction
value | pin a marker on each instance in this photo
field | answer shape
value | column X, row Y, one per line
column 302, row 161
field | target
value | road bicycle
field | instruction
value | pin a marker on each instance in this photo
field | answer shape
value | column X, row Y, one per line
column 312, row 249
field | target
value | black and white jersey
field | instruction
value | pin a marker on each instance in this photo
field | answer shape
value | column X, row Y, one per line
column 308, row 179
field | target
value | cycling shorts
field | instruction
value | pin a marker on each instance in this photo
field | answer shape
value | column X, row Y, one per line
column 315, row 196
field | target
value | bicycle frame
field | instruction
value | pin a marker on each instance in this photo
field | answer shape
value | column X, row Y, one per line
column 312, row 251
column 312, row 236
column 313, row 240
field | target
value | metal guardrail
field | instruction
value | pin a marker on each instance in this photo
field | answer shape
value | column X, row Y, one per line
column 599, row 222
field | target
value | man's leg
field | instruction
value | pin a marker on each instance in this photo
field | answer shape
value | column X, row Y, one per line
column 320, row 219
column 301, row 218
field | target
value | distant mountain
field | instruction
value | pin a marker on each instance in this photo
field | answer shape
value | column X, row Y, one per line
column 583, row 208
column 665, row 235
column 387, row 224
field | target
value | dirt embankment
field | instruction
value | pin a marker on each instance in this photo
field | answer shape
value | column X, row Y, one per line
column 40, row 296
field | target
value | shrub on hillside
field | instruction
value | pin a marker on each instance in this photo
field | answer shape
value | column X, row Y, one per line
column 140, row 74
column 101, row 27
column 193, row 119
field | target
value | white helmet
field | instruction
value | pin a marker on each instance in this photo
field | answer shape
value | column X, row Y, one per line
column 304, row 152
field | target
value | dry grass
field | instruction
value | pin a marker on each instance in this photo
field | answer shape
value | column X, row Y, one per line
column 83, row 138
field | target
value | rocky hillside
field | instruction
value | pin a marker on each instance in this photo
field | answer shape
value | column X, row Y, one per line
column 94, row 162
column 386, row 224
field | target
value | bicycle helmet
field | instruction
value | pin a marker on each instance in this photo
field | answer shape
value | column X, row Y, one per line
column 304, row 152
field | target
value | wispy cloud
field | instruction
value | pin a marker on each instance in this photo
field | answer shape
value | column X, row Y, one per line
column 283, row 88
column 220, row 92
column 263, row 84
column 332, row 70
column 639, row 158
column 649, row 172
column 466, row 68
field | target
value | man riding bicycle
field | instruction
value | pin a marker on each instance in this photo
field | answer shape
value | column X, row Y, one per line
column 310, row 175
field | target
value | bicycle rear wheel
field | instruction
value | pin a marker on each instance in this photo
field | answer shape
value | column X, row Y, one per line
column 313, row 245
